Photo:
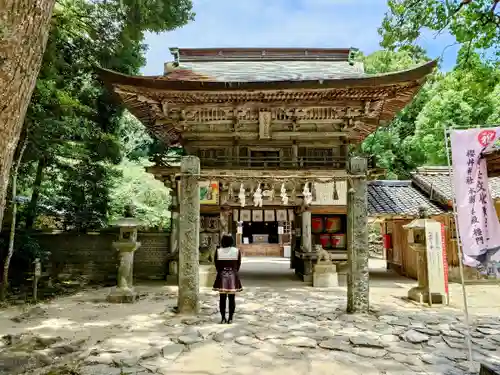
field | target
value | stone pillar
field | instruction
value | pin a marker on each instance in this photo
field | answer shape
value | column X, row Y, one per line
column 306, row 231
column 189, row 232
column 173, row 270
column 357, row 238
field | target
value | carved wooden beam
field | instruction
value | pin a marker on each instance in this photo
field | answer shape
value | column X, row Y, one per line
column 275, row 136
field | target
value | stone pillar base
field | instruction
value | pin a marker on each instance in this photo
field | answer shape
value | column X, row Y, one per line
column 172, row 279
column 120, row 295
column 173, row 272
column 421, row 295
column 208, row 273
column 325, row 275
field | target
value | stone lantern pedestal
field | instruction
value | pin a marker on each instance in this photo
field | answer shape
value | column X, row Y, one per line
column 207, row 271
column 325, row 275
column 324, row 271
column 126, row 245
column 417, row 241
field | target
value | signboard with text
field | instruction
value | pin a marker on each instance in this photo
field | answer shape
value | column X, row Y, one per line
column 437, row 264
column 478, row 225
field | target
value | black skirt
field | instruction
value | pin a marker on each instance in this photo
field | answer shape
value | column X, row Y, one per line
column 227, row 281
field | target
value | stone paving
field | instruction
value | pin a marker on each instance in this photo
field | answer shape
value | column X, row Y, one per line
column 286, row 327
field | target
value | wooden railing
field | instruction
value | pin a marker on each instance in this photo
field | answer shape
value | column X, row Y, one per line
column 322, row 162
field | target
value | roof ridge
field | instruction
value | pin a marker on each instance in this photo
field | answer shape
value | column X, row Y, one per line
column 393, row 183
column 261, row 53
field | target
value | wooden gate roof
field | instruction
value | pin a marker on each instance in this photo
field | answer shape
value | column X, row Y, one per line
column 292, row 78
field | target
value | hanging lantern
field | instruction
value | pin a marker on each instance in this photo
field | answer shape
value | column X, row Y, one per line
column 284, row 196
column 335, row 192
column 307, row 194
column 241, row 196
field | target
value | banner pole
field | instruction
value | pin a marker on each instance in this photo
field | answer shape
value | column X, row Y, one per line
column 459, row 249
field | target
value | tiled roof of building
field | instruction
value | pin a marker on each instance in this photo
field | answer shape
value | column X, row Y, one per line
column 257, row 71
column 261, row 65
column 436, row 182
column 398, row 198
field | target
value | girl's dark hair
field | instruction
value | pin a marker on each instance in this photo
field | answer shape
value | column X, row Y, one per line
column 226, row 241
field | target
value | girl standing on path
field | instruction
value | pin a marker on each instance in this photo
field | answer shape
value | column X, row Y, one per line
column 227, row 262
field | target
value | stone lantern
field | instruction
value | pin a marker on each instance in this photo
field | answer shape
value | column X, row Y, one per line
column 126, row 245
column 418, row 243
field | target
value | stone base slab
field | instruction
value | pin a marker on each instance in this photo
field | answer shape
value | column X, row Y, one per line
column 118, row 295
column 305, row 278
column 421, row 295
column 172, row 279
column 325, row 276
column 208, row 273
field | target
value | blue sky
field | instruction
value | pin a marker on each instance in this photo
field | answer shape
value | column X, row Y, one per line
column 284, row 23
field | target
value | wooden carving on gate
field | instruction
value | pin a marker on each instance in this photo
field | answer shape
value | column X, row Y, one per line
column 212, row 224
column 264, row 125
column 224, row 222
column 205, row 240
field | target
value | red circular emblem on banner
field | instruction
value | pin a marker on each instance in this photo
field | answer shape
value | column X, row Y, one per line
column 486, row 137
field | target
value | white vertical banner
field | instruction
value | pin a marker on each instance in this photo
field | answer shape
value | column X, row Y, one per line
column 436, row 268
column 477, row 220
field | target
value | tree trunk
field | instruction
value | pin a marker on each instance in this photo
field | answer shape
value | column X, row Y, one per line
column 30, row 218
column 12, row 235
column 24, row 29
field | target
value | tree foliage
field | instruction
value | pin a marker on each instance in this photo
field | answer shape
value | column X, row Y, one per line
column 77, row 132
column 150, row 197
column 465, row 97
column 473, row 23
column 390, row 144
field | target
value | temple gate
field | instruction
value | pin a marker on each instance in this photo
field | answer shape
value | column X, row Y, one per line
column 272, row 129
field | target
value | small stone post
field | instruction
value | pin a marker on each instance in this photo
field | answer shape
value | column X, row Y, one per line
column 36, row 277
column 189, row 240
column 418, row 243
column 357, row 238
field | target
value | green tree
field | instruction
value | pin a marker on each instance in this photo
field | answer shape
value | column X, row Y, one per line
column 76, row 127
column 150, row 197
column 473, row 23
column 68, row 99
column 389, row 144
column 465, row 97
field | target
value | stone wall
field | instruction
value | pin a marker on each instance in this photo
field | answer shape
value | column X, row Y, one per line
column 91, row 256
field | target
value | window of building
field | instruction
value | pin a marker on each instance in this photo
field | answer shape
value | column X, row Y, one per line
column 264, row 158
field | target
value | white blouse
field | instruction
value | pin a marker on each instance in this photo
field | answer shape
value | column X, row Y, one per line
column 227, row 253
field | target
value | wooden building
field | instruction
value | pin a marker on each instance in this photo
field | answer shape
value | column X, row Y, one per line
column 396, row 203
column 274, row 124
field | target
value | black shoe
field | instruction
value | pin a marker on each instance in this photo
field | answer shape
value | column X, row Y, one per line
column 223, row 321
column 230, row 321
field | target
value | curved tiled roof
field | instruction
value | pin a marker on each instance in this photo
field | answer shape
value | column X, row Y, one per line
column 398, row 198
column 249, row 81
column 436, row 182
